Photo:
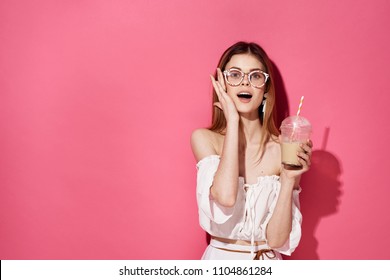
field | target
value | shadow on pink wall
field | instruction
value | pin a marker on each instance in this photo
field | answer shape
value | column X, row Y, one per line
column 321, row 186
column 282, row 107
column 320, row 197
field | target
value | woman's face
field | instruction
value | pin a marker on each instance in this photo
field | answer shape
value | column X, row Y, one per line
column 246, row 97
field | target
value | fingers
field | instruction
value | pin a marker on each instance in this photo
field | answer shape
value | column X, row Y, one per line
column 220, row 82
column 216, row 84
column 225, row 102
column 305, row 155
column 220, row 91
column 221, row 79
column 309, row 143
column 307, row 147
column 217, row 88
column 304, row 159
column 218, row 105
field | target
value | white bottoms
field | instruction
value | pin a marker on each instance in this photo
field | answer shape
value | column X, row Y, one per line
column 215, row 251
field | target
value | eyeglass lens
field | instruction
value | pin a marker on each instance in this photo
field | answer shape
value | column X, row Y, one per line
column 235, row 77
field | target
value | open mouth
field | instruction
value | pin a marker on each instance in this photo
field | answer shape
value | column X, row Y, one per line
column 244, row 95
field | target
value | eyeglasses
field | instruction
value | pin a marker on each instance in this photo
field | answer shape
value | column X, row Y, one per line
column 257, row 78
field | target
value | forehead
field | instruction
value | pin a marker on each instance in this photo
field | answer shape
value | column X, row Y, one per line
column 245, row 62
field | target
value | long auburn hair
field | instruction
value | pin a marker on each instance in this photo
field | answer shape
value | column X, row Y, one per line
column 268, row 122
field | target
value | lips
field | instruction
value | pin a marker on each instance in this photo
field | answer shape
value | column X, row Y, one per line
column 244, row 96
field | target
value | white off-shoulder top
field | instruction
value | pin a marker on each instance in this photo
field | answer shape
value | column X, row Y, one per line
column 248, row 218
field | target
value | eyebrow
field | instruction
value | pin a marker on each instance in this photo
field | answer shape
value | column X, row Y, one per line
column 250, row 70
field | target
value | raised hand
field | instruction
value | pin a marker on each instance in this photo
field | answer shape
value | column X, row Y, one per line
column 304, row 158
column 225, row 103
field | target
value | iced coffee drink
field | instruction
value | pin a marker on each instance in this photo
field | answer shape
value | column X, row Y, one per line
column 295, row 130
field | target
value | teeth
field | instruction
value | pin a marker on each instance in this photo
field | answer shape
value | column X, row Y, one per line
column 244, row 95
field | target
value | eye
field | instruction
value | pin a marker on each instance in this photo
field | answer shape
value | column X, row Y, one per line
column 256, row 76
column 235, row 74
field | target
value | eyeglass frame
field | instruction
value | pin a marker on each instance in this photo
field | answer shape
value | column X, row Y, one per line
column 226, row 72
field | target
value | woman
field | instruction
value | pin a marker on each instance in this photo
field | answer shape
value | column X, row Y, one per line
column 248, row 202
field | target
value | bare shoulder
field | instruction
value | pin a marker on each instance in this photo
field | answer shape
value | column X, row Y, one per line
column 203, row 143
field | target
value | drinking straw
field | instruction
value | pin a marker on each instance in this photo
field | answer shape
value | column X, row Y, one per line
column 300, row 105
column 299, row 111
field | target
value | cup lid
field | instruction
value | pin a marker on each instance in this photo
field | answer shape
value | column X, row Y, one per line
column 295, row 121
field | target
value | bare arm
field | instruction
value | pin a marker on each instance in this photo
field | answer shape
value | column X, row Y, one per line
column 225, row 184
column 280, row 224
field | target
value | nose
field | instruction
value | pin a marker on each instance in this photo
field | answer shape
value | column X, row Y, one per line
column 245, row 80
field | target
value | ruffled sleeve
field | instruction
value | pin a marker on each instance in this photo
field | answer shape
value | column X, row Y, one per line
column 209, row 210
column 295, row 234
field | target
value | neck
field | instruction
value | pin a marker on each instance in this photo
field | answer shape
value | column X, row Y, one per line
column 251, row 128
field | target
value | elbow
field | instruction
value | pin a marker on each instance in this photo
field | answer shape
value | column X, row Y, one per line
column 227, row 201
column 276, row 243
column 278, row 240
column 224, row 199
column 277, row 237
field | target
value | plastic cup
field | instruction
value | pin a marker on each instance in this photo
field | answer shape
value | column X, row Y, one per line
column 295, row 130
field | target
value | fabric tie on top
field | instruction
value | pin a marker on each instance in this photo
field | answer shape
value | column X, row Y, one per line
column 250, row 215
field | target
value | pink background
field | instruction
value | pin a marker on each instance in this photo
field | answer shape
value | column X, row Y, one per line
column 98, row 100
